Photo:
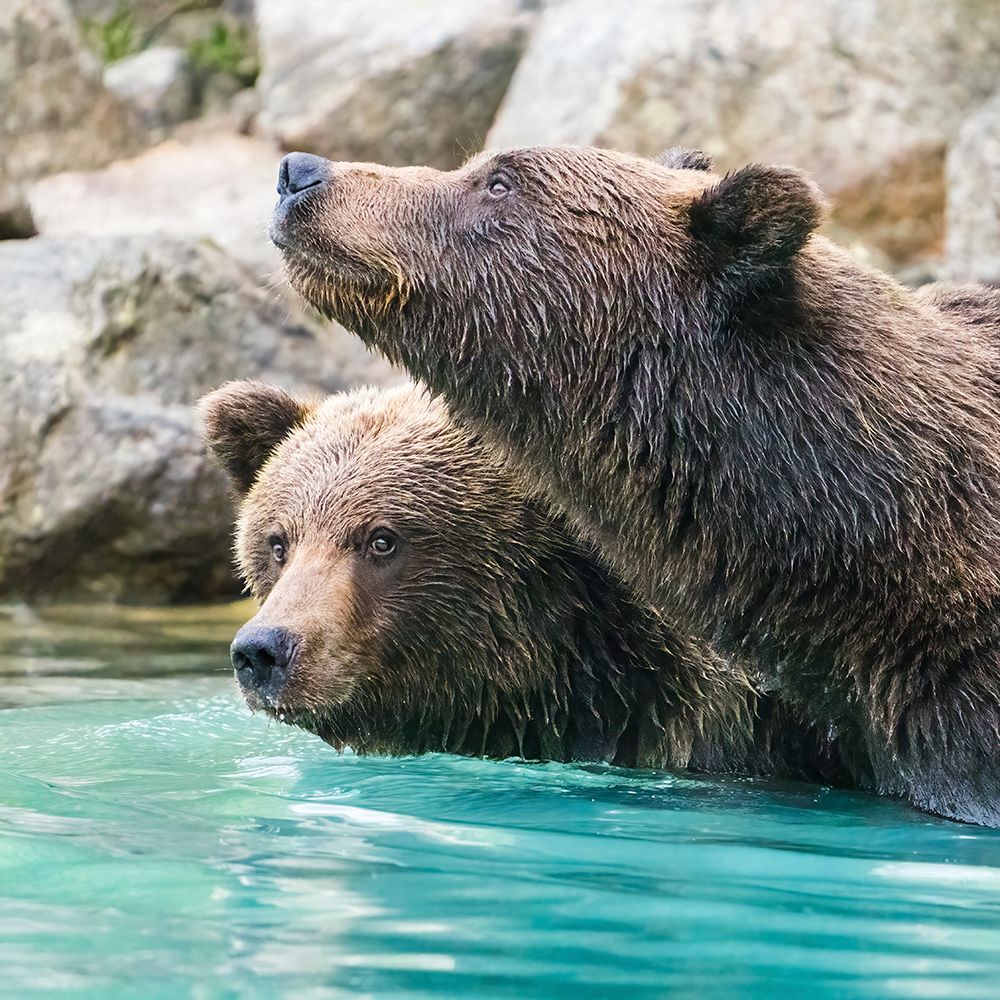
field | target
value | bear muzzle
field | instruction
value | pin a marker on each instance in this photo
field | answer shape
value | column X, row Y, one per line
column 300, row 171
column 263, row 657
column 299, row 175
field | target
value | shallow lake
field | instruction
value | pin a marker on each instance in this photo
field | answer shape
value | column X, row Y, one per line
column 157, row 840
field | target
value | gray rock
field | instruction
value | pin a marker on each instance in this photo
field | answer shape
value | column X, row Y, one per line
column 55, row 114
column 242, row 110
column 105, row 490
column 157, row 83
column 206, row 184
column 973, row 237
column 398, row 81
column 865, row 94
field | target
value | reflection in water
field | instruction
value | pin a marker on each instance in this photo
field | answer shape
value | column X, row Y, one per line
column 156, row 840
column 83, row 652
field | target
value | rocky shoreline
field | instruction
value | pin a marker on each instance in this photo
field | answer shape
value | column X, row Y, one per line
column 138, row 150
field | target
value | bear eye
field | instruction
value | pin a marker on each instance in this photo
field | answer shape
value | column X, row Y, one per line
column 498, row 187
column 382, row 543
column 278, row 551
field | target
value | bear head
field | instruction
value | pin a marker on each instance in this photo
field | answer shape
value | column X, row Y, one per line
column 520, row 256
column 412, row 599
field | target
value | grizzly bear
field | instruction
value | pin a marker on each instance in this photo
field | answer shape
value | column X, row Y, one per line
column 782, row 448
column 412, row 599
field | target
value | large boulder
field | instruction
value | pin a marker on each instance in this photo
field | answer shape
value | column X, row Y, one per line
column 55, row 113
column 866, row 94
column 209, row 184
column 157, row 83
column 973, row 241
column 397, row 81
column 105, row 490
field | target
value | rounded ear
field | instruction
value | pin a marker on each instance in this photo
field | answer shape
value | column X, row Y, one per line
column 679, row 158
column 757, row 218
column 243, row 423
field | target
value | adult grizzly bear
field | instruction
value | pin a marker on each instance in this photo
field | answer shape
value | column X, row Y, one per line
column 412, row 600
column 781, row 447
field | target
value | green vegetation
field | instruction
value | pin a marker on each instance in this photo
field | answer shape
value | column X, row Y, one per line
column 225, row 50
column 115, row 38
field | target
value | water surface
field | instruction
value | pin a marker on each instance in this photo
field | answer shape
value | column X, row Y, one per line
column 156, row 840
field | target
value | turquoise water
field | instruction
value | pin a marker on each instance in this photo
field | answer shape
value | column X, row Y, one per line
column 158, row 841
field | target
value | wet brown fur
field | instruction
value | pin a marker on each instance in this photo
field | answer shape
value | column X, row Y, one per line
column 784, row 449
column 491, row 631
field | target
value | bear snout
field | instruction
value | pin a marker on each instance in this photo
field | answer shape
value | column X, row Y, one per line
column 262, row 657
column 299, row 176
column 300, row 171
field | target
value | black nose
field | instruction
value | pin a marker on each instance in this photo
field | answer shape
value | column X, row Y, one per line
column 299, row 171
column 261, row 656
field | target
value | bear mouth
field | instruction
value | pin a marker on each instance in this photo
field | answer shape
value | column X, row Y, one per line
column 302, row 241
column 298, row 705
column 324, row 271
column 290, row 221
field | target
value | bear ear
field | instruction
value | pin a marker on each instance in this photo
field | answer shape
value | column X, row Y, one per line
column 679, row 158
column 243, row 423
column 757, row 218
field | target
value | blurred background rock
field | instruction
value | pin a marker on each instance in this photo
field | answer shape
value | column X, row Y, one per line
column 139, row 144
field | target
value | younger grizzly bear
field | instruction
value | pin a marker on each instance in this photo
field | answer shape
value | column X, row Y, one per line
column 413, row 600
column 782, row 448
